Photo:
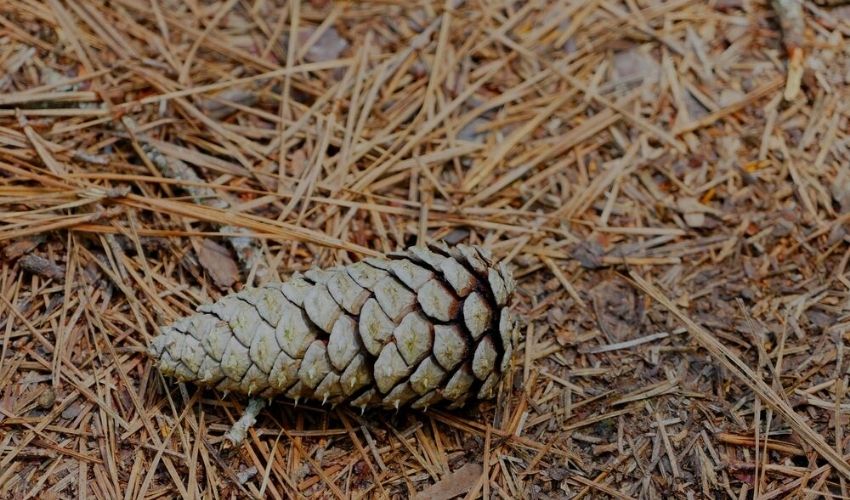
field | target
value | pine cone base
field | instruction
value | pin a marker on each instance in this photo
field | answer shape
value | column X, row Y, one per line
column 423, row 327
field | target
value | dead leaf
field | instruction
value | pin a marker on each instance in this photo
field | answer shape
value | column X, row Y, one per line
column 219, row 263
column 454, row 484
column 22, row 246
column 42, row 267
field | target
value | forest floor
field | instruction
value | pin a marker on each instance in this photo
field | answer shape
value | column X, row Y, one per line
column 668, row 180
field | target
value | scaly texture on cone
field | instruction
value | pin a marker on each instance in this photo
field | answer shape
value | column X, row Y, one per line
column 422, row 327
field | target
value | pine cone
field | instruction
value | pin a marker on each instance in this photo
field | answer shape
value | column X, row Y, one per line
column 425, row 326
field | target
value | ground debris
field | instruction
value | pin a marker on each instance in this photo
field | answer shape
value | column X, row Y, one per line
column 168, row 153
column 219, row 263
column 453, row 484
column 23, row 246
column 42, row 267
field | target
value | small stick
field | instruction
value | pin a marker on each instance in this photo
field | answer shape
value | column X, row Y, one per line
column 790, row 14
column 237, row 433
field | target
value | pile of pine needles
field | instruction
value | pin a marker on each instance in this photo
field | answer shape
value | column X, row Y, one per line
column 671, row 189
